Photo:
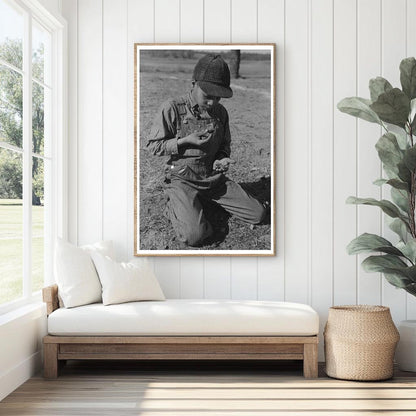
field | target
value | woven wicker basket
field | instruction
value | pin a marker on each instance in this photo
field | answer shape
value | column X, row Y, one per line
column 360, row 341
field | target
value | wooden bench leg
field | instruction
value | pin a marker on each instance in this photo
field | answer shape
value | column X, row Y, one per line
column 50, row 360
column 310, row 360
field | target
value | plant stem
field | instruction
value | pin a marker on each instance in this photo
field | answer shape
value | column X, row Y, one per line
column 412, row 205
column 412, row 196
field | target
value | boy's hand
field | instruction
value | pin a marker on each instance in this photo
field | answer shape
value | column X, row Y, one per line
column 197, row 139
column 222, row 165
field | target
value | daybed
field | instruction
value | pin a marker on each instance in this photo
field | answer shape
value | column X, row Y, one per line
column 181, row 329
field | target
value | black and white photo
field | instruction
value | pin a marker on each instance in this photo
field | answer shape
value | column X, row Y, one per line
column 204, row 149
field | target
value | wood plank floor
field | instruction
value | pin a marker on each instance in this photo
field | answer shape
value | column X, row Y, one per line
column 206, row 388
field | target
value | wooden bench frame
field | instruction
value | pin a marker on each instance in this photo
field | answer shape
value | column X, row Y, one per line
column 58, row 349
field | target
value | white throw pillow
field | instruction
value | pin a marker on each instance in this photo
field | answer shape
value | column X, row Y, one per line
column 75, row 273
column 126, row 282
column 103, row 247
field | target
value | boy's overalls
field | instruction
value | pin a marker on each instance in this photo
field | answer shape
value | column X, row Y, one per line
column 189, row 176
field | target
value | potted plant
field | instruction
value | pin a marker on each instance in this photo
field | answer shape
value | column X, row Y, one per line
column 394, row 109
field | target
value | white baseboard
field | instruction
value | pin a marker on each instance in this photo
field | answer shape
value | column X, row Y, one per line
column 10, row 380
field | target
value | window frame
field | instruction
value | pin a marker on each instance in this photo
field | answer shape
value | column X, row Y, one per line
column 57, row 226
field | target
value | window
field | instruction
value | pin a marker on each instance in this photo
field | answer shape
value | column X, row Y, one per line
column 31, row 142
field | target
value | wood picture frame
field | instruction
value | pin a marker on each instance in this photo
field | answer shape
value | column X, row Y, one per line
column 163, row 83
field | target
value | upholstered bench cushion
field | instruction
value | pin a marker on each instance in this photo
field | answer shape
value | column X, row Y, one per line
column 185, row 317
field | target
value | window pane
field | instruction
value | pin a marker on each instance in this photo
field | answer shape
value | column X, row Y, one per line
column 38, row 118
column 41, row 46
column 11, row 226
column 11, row 106
column 11, row 34
column 38, row 229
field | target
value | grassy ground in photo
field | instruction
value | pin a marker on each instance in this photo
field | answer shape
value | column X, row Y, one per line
column 250, row 116
column 11, row 249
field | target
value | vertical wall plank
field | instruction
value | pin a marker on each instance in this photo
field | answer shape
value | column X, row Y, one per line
column 217, row 278
column 192, row 21
column 115, row 52
column 270, row 275
column 192, row 31
column 271, row 270
column 140, row 30
column 217, row 21
column 140, row 22
column 217, row 29
column 167, row 15
column 90, row 127
column 393, row 51
column 345, row 152
column 411, row 51
column 394, row 38
column 167, row 271
column 243, row 29
column 369, row 167
column 321, row 169
column 192, row 278
column 244, row 21
column 167, row 29
column 296, row 152
column 244, row 278
column 70, row 12
column 411, row 28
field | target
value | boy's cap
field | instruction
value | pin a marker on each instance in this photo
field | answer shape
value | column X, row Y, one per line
column 213, row 76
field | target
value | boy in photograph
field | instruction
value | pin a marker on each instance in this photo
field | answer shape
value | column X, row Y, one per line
column 193, row 131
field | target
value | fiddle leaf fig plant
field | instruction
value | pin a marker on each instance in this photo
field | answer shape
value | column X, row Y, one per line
column 394, row 109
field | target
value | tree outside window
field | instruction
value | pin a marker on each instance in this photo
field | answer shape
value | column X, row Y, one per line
column 22, row 202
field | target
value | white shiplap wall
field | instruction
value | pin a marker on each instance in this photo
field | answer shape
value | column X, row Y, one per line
column 326, row 50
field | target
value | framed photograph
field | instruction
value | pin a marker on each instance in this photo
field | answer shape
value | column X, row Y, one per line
column 204, row 163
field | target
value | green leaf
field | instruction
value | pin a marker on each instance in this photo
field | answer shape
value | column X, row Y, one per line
column 408, row 77
column 400, row 198
column 401, row 139
column 396, row 271
column 404, row 173
column 389, row 151
column 398, row 184
column 408, row 249
column 400, row 228
column 395, row 183
column 392, row 107
column 390, row 173
column 397, row 280
column 366, row 243
column 381, row 263
column 378, row 86
column 380, row 182
column 389, row 208
column 359, row 107
column 410, row 158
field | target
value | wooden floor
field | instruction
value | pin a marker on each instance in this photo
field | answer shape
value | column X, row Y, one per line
column 221, row 389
